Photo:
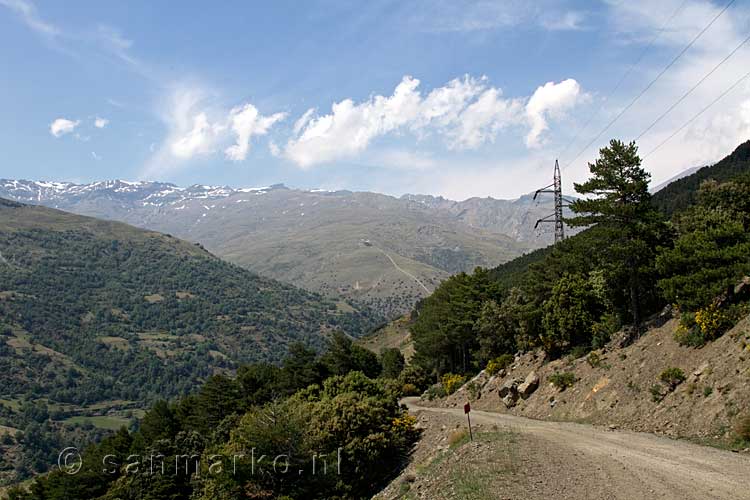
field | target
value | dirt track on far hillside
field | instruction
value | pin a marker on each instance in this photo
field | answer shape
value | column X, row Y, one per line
column 582, row 462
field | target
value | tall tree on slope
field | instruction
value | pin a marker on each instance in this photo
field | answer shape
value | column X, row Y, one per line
column 616, row 198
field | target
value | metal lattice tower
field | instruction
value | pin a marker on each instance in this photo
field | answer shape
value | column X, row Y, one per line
column 557, row 217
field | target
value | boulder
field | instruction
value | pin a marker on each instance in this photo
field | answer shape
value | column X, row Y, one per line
column 510, row 386
column 510, row 399
column 529, row 385
column 703, row 368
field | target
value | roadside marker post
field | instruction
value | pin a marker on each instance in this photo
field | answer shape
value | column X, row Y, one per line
column 467, row 409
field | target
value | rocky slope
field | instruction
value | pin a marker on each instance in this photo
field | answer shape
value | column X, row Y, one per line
column 384, row 251
column 621, row 387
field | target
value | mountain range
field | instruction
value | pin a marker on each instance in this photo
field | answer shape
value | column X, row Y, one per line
column 381, row 251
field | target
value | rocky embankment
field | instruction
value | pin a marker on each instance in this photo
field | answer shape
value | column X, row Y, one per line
column 624, row 387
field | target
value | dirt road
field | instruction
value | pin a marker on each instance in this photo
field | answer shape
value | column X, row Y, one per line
column 581, row 461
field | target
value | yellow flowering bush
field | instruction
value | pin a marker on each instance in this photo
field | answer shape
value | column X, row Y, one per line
column 451, row 382
column 404, row 422
column 404, row 427
column 711, row 321
column 499, row 363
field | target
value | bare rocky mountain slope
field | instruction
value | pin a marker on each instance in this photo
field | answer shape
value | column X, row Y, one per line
column 380, row 250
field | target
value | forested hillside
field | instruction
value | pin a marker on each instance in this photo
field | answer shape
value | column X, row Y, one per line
column 634, row 261
column 136, row 314
column 326, row 426
column 672, row 198
column 682, row 193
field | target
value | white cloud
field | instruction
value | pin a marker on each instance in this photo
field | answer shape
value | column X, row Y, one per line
column 100, row 122
column 199, row 127
column 484, row 118
column 197, row 140
column 95, row 156
column 466, row 112
column 350, row 127
column 245, row 122
column 549, row 100
column 62, row 126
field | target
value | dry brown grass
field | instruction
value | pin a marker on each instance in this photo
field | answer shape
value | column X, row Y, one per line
column 457, row 436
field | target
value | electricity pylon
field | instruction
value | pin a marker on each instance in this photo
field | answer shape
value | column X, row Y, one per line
column 557, row 216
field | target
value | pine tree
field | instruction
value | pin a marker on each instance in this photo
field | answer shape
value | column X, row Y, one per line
column 712, row 251
column 618, row 201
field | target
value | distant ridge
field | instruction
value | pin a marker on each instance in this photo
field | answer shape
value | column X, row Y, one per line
column 315, row 239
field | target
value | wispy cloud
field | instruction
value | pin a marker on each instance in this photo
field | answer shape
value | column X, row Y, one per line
column 717, row 131
column 100, row 122
column 105, row 39
column 30, row 16
column 566, row 21
column 467, row 16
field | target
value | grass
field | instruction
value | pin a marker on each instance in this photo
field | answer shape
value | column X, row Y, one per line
column 103, row 422
column 476, row 478
column 393, row 334
column 13, row 404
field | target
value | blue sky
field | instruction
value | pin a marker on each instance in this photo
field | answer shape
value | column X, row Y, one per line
column 443, row 97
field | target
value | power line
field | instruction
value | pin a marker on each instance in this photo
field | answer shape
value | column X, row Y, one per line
column 690, row 91
column 595, row 113
column 695, row 117
column 642, row 92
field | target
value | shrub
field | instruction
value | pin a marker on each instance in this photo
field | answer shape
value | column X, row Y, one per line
column 594, row 360
column 672, row 377
column 416, row 376
column 742, row 428
column 657, row 393
column 712, row 321
column 688, row 333
column 602, row 330
column 500, row 363
column 451, row 382
column 435, row 391
column 562, row 380
column 709, row 323
column 474, row 390
column 392, row 362
column 707, row 391
column 409, row 390
column 579, row 351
